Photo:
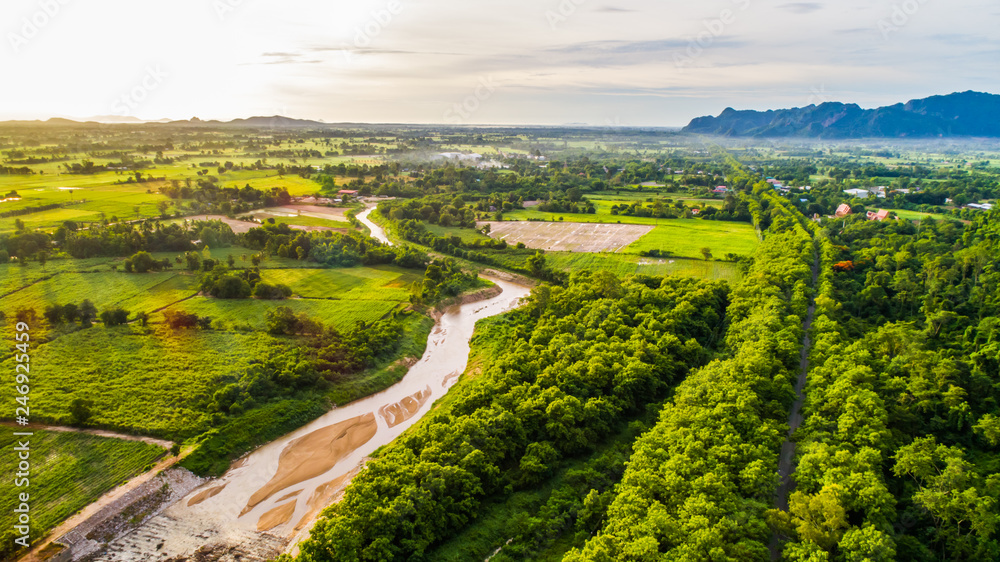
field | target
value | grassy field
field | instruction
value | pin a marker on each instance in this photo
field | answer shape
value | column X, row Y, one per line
column 135, row 292
column 312, row 221
column 685, row 238
column 69, row 471
column 91, row 199
column 621, row 264
column 153, row 382
column 916, row 215
column 681, row 237
column 249, row 314
column 466, row 234
column 382, row 283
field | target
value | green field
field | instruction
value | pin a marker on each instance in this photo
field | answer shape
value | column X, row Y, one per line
column 243, row 314
column 383, row 283
column 685, row 238
column 155, row 382
column 916, row 215
column 312, row 221
column 680, row 237
column 135, row 292
column 91, row 199
column 621, row 265
column 466, row 234
column 68, row 472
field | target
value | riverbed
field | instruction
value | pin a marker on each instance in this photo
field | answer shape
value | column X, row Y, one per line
column 272, row 496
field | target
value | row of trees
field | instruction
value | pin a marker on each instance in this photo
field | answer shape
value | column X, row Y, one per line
column 700, row 482
column 899, row 442
column 567, row 369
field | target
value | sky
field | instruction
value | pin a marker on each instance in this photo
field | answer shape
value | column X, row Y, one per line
column 548, row 62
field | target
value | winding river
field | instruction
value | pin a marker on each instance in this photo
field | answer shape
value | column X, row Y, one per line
column 271, row 497
column 378, row 232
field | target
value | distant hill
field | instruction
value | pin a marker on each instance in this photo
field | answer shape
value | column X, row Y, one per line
column 966, row 114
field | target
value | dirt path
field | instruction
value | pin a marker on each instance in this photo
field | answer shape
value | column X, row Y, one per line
column 786, row 465
column 98, row 432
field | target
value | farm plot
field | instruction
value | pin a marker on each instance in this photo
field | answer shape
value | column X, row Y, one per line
column 568, row 237
column 301, row 214
column 135, row 292
column 358, row 283
column 69, row 471
column 624, row 264
column 341, row 314
column 686, row 238
column 156, row 383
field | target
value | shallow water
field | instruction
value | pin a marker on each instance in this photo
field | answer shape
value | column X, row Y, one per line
column 377, row 232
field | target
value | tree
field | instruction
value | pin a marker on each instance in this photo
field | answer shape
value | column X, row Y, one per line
column 142, row 262
column 79, row 411
column 87, row 313
column 867, row 544
column 114, row 317
column 706, row 252
column 178, row 319
column 951, row 489
column 70, row 312
column 53, row 314
column 989, row 428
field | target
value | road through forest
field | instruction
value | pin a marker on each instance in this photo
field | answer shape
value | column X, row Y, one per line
column 786, row 464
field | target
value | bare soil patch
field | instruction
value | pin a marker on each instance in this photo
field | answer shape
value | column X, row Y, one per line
column 316, row 453
column 568, row 236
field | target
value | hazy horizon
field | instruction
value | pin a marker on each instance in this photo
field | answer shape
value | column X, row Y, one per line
column 579, row 62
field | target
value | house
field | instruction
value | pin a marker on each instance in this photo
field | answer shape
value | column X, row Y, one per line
column 720, row 189
column 843, row 211
column 878, row 216
column 351, row 192
column 859, row 193
column 981, row 207
column 695, row 211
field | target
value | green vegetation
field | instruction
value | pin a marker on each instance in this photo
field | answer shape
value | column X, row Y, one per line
column 618, row 415
column 622, row 265
column 68, row 471
column 701, row 480
column 897, row 453
column 570, row 366
column 379, row 283
column 146, row 292
column 686, row 238
column 171, row 376
column 249, row 314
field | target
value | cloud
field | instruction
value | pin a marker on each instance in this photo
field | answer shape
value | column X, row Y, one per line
column 802, row 7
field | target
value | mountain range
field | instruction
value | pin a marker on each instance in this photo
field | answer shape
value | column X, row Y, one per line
column 964, row 114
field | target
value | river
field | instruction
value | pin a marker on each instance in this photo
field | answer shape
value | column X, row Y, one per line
column 378, row 232
column 281, row 487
